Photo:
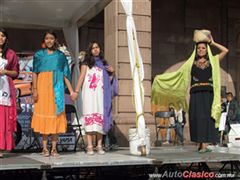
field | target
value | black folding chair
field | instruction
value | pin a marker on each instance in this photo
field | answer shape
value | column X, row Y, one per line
column 70, row 109
column 158, row 127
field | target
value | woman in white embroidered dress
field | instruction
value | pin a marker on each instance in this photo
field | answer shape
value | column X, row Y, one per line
column 95, row 82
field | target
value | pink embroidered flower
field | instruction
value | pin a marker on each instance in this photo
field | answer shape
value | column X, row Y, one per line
column 94, row 118
column 93, row 79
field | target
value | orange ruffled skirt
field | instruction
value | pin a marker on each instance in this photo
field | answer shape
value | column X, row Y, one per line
column 45, row 120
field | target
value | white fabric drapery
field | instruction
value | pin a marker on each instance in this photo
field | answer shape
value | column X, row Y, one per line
column 137, row 70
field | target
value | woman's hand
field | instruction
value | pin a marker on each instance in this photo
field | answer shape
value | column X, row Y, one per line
column 35, row 95
column 211, row 40
column 110, row 69
column 2, row 72
column 74, row 96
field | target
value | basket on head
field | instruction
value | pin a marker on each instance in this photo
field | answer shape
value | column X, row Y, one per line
column 202, row 36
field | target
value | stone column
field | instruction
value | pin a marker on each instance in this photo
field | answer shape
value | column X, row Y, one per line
column 116, row 52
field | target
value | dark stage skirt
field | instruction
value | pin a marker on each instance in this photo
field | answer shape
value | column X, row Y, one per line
column 202, row 126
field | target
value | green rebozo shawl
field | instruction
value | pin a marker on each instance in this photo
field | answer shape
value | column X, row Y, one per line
column 58, row 64
column 172, row 87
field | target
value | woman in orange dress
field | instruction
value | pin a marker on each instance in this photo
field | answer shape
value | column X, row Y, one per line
column 50, row 71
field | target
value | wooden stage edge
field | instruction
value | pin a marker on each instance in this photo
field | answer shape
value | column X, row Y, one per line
column 159, row 156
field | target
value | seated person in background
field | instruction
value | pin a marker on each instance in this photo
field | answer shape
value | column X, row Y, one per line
column 223, row 105
column 180, row 123
column 233, row 111
column 233, row 114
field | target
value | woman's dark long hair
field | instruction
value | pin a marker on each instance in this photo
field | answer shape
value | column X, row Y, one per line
column 197, row 57
column 5, row 45
column 56, row 45
column 89, row 58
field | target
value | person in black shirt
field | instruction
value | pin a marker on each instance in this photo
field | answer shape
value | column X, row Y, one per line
column 202, row 125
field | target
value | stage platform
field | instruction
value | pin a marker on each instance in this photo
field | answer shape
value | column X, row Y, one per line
column 160, row 157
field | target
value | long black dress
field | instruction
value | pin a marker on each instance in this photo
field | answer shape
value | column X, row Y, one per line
column 202, row 126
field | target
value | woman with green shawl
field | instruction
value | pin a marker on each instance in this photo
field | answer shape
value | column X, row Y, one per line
column 205, row 108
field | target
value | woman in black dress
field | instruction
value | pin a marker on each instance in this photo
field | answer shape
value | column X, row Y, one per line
column 202, row 125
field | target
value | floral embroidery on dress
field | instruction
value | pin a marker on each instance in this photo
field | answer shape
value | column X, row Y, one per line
column 93, row 114
column 202, row 65
column 94, row 118
column 93, row 79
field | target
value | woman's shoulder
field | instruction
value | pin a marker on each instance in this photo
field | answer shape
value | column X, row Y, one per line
column 60, row 54
column 11, row 55
column 39, row 52
column 11, row 52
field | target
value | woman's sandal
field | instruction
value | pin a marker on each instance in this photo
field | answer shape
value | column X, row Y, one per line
column 45, row 153
column 100, row 150
column 208, row 150
column 90, row 150
column 204, row 150
column 54, row 153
